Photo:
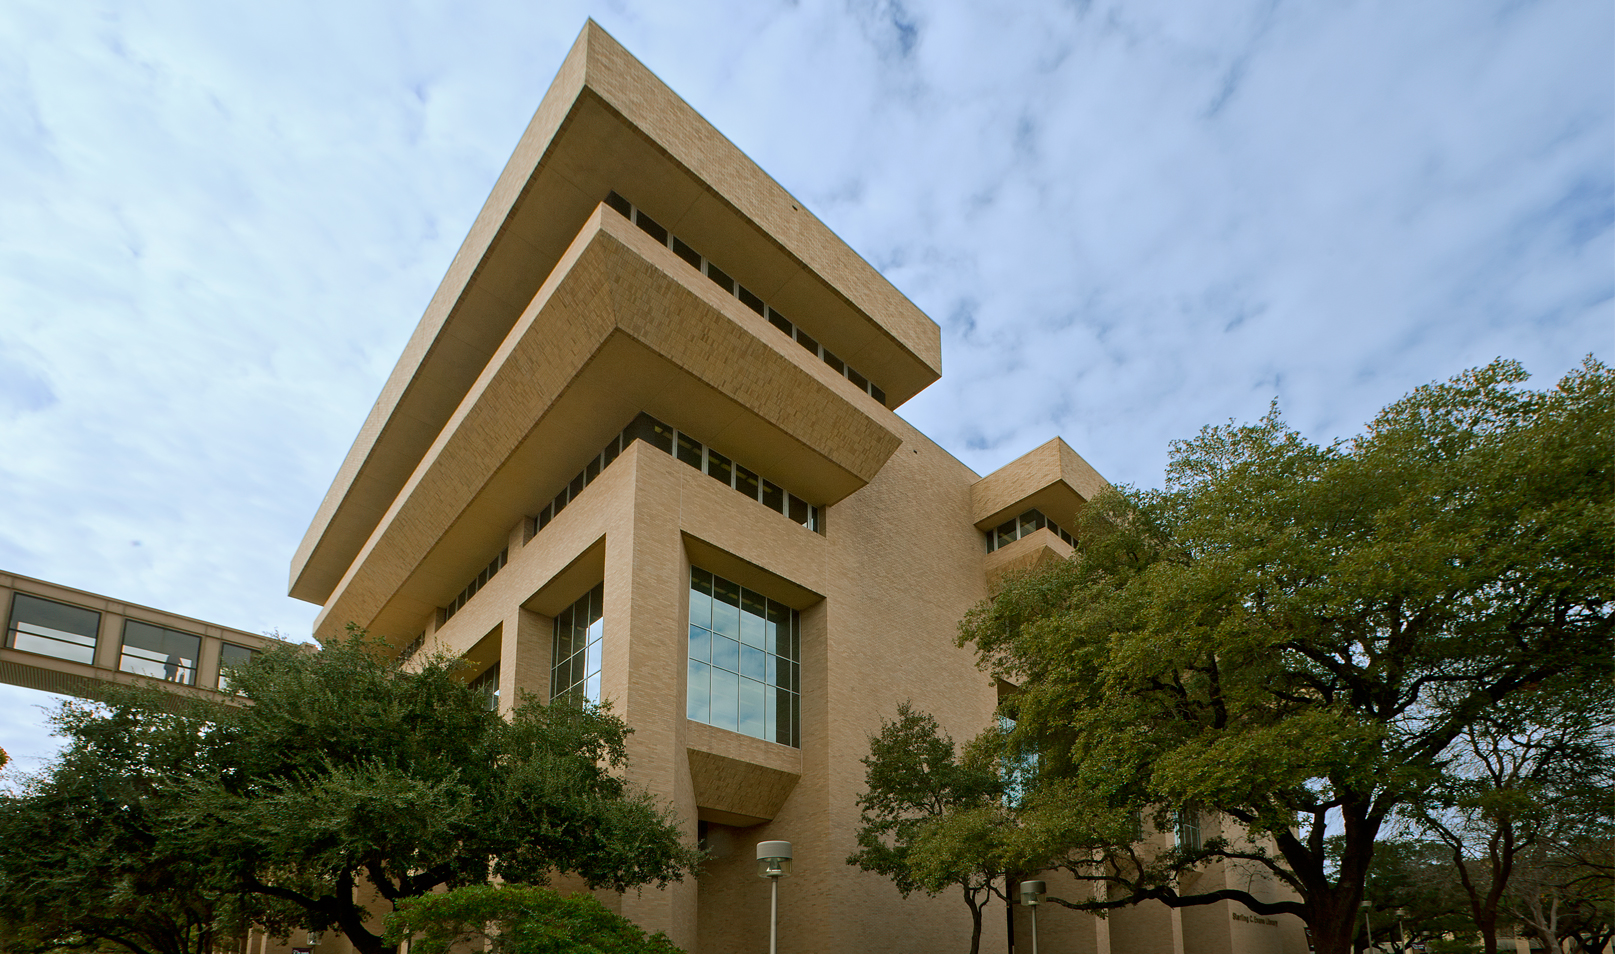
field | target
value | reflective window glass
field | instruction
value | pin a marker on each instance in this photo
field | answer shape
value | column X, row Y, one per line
column 753, row 610
column 718, row 467
column 725, row 608
column 54, row 629
column 799, row 510
column 751, row 662
column 159, row 652
column 745, row 684
column 577, row 649
column 687, row 253
column 806, row 342
column 746, row 482
column 720, row 279
column 650, row 227
column 858, row 379
column 689, row 451
column 835, row 363
column 700, row 692
column 726, row 700
column 750, row 300
column 751, row 708
column 780, row 321
column 726, row 653
column 232, row 657
column 773, row 497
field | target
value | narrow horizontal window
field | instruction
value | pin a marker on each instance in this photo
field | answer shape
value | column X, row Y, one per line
column 720, row 279
column 687, row 253
column 747, row 297
column 650, row 227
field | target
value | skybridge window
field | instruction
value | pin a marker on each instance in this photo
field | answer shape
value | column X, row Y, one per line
column 54, row 629
column 159, row 652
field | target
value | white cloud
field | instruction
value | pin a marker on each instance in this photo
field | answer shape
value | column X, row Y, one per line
column 219, row 224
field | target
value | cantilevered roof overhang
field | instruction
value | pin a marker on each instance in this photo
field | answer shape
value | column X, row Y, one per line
column 606, row 124
column 1052, row 478
column 622, row 326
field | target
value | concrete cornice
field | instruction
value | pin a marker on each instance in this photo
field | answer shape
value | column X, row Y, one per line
column 606, row 123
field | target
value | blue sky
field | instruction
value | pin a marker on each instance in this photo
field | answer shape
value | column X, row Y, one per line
column 220, row 222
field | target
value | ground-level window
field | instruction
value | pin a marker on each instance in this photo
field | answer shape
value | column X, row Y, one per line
column 575, row 672
column 159, row 652
column 54, row 629
column 232, row 657
column 488, row 685
column 745, row 671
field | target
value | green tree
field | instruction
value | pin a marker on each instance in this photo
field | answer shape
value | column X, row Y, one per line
column 1522, row 769
column 1412, row 894
column 1293, row 636
column 337, row 776
column 1563, row 888
column 518, row 919
column 91, row 853
column 931, row 819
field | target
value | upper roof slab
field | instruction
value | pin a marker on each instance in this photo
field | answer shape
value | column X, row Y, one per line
column 1052, row 478
column 607, row 123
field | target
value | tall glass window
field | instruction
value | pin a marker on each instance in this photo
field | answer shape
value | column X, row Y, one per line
column 575, row 672
column 488, row 685
column 159, row 652
column 745, row 671
column 231, row 657
column 54, row 629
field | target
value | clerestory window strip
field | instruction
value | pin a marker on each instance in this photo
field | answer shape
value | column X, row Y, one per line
column 747, row 297
column 1011, row 530
column 691, row 451
column 481, row 580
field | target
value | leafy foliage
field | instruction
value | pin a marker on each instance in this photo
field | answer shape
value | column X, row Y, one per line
column 1520, row 779
column 1292, row 633
column 518, row 919
column 340, row 776
column 930, row 819
column 92, row 855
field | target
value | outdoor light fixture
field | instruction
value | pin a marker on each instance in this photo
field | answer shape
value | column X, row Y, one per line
column 1032, row 895
column 773, row 863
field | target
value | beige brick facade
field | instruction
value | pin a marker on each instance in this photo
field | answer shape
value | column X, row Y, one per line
column 558, row 324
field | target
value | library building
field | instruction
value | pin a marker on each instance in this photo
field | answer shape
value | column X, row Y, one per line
column 642, row 447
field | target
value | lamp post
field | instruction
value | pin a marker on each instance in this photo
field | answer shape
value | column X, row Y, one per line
column 1368, row 943
column 1031, row 895
column 773, row 863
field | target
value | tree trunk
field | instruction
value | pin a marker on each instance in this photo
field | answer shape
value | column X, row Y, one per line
column 975, row 921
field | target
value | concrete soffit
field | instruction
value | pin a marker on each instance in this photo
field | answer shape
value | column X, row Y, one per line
column 606, row 123
column 621, row 327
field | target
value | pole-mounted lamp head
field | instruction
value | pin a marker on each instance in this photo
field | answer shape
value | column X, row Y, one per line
column 773, row 859
column 1032, row 892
